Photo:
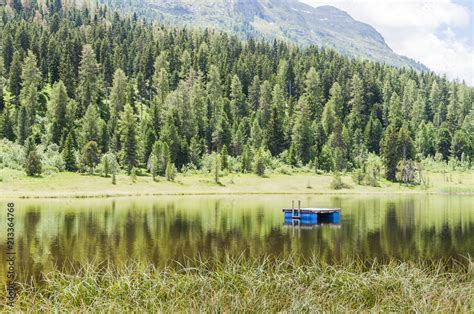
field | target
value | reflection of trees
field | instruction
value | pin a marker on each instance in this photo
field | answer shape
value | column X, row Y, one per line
column 167, row 229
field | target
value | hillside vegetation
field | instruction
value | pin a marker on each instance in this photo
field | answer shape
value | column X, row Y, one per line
column 88, row 90
column 289, row 20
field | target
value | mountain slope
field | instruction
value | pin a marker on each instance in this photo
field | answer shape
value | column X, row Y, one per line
column 289, row 20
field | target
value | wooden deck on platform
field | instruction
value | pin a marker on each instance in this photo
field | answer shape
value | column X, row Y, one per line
column 313, row 210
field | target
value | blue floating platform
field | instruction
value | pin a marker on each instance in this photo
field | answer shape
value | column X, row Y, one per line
column 312, row 216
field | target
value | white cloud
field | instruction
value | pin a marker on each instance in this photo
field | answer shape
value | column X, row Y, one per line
column 419, row 29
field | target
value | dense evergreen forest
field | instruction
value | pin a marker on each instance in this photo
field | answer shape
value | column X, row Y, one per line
column 85, row 86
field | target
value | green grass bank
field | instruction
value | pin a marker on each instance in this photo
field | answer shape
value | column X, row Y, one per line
column 15, row 184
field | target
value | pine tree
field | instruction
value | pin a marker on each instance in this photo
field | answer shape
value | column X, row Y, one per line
column 461, row 144
column 408, row 99
column 162, row 85
column 329, row 117
column 390, row 153
column 443, row 145
column 339, row 144
column 170, row 171
column 420, row 112
column 2, row 85
column 302, row 134
column 313, row 94
column 7, row 125
column 66, row 69
column 274, row 135
column 254, row 93
column 453, row 111
column 68, row 154
column 110, row 165
column 8, row 51
column 259, row 163
column 15, row 74
column 216, row 167
column 425, row 140
column 90, row 125
column 195, row 152
column 58, row 111
column 238, row 103
column 357, row 116
column 437, row 104
column 395, row 110
column 325, row 160
column 118, row 92
column 373, row 134
column 91, row 156
column 148, row 142
column 224, row 157
column 246, row 159
column 405, row 144
column 33, row 165
column 128, row 138
column 265, row 103
column 88, row 75
column 31, row 79
column 23, row 126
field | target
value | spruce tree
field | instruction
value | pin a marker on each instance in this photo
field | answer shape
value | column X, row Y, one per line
column 443, row 144
column 90, row 125
column 246, row 159
column 390, row 152
column 118, row 92
column 87, row 89
column 357, row 103
column 33, row 165
column 23, row 126
column 68, row 154
column 128, row 138
column 313, row 94
column 194, row 152
column 405, row 144
column 259, row 163
column 7, row 125
column 373, row 134
column 302, row 134
column 224, row 158
column 15, row 74
column 238, row 102
column 274, row 136
column 58, row 111
column 461, row 144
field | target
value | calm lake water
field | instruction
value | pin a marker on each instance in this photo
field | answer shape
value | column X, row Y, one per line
column 52, row 233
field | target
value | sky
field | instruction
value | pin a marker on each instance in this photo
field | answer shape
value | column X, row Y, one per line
column 437, row 33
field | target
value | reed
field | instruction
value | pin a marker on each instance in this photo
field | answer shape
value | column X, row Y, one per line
column 256, row 285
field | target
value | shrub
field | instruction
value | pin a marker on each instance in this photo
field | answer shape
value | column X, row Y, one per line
column 51, row 158
column 33, row 166
column 358, row 176
column 91, row 155
column 11, row 155
column 259, row 163
column 337, row 183
column 133, row 174
column 170, row 171
column 406, row 172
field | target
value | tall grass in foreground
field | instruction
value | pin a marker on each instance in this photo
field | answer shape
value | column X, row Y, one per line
column 255, row 285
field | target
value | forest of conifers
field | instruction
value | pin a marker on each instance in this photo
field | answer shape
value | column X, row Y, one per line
column 87, row 82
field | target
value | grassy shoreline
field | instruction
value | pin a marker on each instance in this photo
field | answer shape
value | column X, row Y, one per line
column 256, row 285
column 15, row 184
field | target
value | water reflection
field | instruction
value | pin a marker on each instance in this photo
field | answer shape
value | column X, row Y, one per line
column 61, row 233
